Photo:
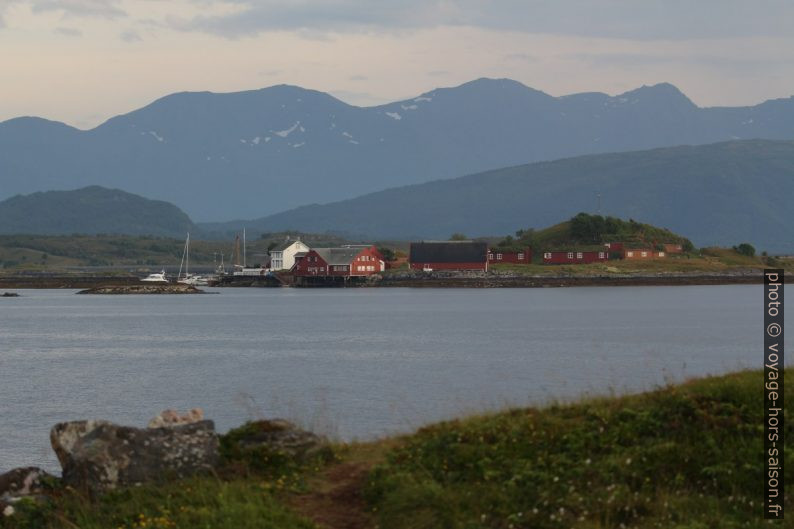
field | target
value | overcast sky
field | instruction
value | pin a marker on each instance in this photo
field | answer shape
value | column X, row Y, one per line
column 83, row 61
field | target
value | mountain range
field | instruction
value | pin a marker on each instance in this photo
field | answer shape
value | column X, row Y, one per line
column 256, row 153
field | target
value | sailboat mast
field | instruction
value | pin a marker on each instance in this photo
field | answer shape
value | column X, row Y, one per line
column 245, row 261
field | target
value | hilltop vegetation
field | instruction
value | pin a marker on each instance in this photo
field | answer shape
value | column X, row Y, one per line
column 584, row 230
column 686, row 456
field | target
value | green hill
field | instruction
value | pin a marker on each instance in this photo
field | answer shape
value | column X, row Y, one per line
column 584, row 230
column 91, row 210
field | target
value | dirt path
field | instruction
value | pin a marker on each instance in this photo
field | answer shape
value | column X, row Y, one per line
column 336, row 499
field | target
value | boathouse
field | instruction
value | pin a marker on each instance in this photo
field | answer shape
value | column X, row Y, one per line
column 448, row 255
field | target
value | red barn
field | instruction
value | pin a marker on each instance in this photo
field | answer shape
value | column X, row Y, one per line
column 673, row 248
column 449, row 255
column 566, row 257
column 497, row 255
column 350, row 261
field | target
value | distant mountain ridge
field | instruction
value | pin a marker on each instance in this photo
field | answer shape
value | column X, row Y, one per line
column 719, row 194
column 89, row 211
column 247, row 154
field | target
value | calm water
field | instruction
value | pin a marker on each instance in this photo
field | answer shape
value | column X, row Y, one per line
column 356, row 363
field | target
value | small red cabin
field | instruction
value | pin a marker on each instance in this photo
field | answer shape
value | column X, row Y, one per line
column 449, row 255
column 566, row 257
column 497, row 255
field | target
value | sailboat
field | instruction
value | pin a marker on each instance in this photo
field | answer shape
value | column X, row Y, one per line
column 188, row 278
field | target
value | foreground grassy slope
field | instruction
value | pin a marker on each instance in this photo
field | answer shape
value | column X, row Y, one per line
column 687, row 456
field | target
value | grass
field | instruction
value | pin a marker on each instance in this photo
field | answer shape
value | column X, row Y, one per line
column 686, row 456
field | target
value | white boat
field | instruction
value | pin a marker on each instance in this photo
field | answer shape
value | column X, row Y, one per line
column 188, row 278
column 156, row 278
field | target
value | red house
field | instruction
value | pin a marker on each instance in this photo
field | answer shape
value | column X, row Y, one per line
column 449, row 255
column 497, row 255
column 349, row 261
column 566, row 257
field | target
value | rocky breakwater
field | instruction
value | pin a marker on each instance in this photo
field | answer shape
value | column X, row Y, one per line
column 144, row 289
column 9, row 295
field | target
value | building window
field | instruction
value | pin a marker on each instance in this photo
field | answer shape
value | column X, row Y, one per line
column 661, row 254
column 521, row 257
column 629, row 254
column 600, row 255
column 644, row 254
column 547, row 255
column 490, row 256
column 498, row 257
column 578, row 255
column 570, row 255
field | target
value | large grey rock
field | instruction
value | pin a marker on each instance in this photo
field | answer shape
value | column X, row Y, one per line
column 27, row 482
column 98, row 455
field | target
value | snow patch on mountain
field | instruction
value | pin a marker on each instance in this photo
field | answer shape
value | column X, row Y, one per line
column 394, row 115
column 287, row 132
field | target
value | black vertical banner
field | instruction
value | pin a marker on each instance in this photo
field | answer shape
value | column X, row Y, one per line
column 773, row 394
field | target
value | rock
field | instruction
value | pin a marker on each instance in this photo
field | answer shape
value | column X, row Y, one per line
column 27, row 482
column 176, row 288
column 274, row 436
column 168, row 418
column 98, row 456
column 10, row 295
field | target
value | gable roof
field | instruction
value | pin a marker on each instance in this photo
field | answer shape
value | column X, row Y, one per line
column 449, row 252
column 338, row 256
column 286, row 244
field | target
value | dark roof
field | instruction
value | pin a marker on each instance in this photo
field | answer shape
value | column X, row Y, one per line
column 449, row 252
column 286, row 244
column 338, row 256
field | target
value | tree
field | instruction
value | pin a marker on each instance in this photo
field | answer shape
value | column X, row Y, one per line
column 387, row 253
column 745, row 249
column 458, row 237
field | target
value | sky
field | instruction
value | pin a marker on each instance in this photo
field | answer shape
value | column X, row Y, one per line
column 84, row 61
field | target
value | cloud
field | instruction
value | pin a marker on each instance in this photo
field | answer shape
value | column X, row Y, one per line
column 68, row 32
column 79, row 8
column 627, row 19
column 130, row 36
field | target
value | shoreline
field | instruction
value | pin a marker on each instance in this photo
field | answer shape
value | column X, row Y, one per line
column 427, row 280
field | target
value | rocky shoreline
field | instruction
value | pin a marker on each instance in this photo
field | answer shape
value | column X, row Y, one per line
column 449, row 279
column 407, row 279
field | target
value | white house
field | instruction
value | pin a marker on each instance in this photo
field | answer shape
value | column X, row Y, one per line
column 282, row 257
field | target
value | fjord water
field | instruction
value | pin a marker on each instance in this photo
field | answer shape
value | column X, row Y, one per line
column 352, row 363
